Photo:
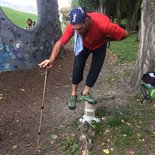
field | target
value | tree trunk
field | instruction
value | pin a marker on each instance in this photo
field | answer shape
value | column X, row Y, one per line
column 146, row 54
column 25, row 48
column 132, row 17
column 132, row 22
column 118, row 13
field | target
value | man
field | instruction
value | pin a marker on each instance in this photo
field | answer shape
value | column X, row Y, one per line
column 91, row 32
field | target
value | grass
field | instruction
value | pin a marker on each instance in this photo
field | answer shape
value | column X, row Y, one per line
column 69, row 146
column 125, row 50
column 121, row 130
column 128, row 127
column 17, row 17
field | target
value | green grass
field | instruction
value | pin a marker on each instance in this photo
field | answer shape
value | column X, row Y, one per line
column 128, row 127
column 125, row 50
column 123, row 129
column 17, row 17
column 69, row 146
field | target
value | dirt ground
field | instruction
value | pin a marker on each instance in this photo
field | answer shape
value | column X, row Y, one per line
column 21, row 97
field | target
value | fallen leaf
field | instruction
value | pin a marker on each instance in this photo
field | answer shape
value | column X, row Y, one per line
column 112, row 149
column 131, row 152
column 138, row 135
column 122, row 121
column 106, row 131
column 103, row 143
column 54, row 136
column 52, row 142
column 128, row 123
column 103, row 118
column 15, row 146
column 27, row 145
column 72, row 135
column 106, row 151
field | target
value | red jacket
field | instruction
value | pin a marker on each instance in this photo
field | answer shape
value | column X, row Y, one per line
column 100, row 28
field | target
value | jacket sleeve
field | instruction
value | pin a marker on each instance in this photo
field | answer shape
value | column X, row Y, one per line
column 114, row 31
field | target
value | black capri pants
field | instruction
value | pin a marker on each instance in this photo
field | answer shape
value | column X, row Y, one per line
column 98, row 56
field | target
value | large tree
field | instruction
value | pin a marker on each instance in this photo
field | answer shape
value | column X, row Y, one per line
column 146, row 55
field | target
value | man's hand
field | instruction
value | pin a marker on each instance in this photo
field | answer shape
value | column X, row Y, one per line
column 46, row 63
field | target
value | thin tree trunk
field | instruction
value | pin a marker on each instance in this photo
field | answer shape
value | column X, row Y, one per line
column 118, row 12
column 146, row 54
column 132, row 21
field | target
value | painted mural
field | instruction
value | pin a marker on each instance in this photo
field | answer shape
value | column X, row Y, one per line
column 6, row 58
column 25, row 48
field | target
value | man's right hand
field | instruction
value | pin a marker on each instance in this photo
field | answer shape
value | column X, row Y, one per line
column 46, row 63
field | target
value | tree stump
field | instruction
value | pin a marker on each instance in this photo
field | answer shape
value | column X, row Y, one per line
column 85, row 125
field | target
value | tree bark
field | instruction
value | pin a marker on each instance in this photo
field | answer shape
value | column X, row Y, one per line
column 145, row 61
column 26, row 48
column 132, row 17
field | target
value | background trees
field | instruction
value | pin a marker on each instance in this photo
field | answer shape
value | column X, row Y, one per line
column 64, row 11
column 146, row 55
column 125, row 12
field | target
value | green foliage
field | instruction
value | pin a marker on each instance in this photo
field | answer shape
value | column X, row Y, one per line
column 119, row 10
column 74, row 3
column 126, row 50
column 89, row 4
column 128, row 7
column 130, row 10
column 17, row 17
column 127, row 127
column 69, row 146
column 115, row 120
column 97, row 127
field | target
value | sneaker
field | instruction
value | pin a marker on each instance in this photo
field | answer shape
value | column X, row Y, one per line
column 72, row 102
column 88, row 98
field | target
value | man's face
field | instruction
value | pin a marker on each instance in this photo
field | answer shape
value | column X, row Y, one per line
column 81, row 28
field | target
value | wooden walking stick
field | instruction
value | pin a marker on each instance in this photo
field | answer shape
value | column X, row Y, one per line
column 41, row 112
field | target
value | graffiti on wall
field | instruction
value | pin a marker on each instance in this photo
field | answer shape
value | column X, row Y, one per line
column 6, row 58
column 25, row 48
column 10, row 56
column 16, row 57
